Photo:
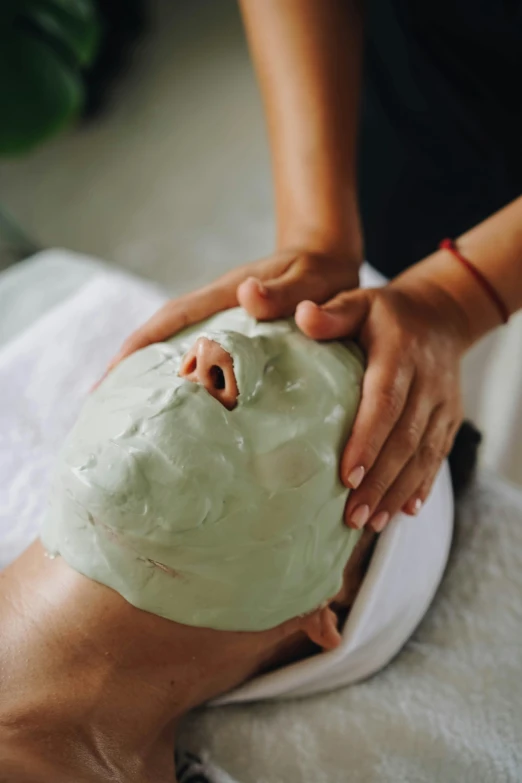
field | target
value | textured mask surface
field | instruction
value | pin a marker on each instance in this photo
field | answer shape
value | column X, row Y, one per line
column 222, row 519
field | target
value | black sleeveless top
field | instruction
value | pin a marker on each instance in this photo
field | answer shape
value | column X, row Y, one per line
column 440, row 145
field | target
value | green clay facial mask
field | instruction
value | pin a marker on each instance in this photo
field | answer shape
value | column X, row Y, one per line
column 225, row 519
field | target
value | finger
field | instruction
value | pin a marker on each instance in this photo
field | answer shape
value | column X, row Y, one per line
column 99, row 381
column 196, row 306
column 177, row 315
column 385, row 388
column 342, row 316
column 419, row 496
column 419, row 472
column 453, row 427
column 401, row 445
column 413, row 504
column 303, row 277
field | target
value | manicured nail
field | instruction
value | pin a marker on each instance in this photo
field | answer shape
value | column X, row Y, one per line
column 380, row 521
column 262, row 289
column 360, row 516
column 416, row 506
column 355, row 477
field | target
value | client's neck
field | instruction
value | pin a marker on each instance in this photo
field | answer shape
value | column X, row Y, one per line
column 109, row 680
column 88, row 682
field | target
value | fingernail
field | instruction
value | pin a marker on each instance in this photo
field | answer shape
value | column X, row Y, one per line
column 355, row 477
column 328, row 314
column 315, row 306
column 360, row 516
column 416, row 506
column 305, row 305
column 262, row 289
column 380, row 521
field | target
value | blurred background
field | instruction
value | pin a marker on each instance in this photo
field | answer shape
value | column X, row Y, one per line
column 170, row 177
column 167, row 172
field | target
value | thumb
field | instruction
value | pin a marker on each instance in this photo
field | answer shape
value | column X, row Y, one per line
column 342, row 316
column 277, row 297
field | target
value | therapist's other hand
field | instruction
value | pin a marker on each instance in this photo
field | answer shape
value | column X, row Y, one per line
column 268, row 288
column 410, row 409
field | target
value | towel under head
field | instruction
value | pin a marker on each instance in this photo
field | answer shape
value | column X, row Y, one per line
column 45, row 374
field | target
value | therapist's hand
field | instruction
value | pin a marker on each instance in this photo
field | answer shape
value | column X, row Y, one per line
column 268, row 288
column 414, row 337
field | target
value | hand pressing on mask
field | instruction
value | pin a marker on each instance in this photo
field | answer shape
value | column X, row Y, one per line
column 414, row 334
column 268, row 288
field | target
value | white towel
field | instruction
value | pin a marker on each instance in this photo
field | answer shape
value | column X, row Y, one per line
column 45, row 374
column 448, row 709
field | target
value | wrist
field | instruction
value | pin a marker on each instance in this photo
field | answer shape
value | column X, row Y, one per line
column 332, row 262
column 323, row 224
column 346, row 247
column 464, row 307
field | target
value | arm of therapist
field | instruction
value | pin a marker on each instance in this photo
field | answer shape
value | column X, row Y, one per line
column 415, row 330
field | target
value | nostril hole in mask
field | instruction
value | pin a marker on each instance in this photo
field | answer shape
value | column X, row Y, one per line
column 217, row 377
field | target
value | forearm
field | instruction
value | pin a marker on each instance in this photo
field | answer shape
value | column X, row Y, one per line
column 494, row 247
column 307, row 55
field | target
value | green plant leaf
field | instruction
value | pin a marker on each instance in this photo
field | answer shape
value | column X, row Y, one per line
column 44, row 44
column 71, row 24
column 8, row 14
column 39, row 94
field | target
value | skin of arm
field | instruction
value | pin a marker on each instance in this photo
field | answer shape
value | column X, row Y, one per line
column 414, row 330
column 495, row 249
column 307, row 57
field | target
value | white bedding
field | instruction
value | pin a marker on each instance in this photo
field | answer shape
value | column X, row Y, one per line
column 449, row 708
column 42, row 391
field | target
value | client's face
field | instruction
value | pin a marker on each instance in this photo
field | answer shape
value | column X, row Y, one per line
column 201, row 479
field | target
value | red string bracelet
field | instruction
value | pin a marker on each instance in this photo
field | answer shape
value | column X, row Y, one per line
column 449, row 244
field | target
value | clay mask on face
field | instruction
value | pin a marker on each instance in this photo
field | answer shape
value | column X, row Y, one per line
column 226, row 519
